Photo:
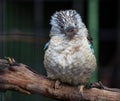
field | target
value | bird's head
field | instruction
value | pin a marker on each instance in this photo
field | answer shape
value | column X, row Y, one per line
column 66, row 22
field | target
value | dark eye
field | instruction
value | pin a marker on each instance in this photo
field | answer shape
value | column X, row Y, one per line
column 61, row 27
column 75, row 23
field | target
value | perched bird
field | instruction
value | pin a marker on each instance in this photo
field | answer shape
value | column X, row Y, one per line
column 69, row 57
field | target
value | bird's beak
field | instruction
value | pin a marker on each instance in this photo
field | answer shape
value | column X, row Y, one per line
column 70, row 29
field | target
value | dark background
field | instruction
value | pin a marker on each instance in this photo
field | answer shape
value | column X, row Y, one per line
column 24, row 30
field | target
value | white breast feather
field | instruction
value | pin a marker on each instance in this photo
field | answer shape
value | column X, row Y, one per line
column 71, row 62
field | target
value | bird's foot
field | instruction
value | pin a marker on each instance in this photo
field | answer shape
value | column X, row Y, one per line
column 57, row 84
column 97, row 85
column 81, row 87
column 11, row 61
column 101, row 86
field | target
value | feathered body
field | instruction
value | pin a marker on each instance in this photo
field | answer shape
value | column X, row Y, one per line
column 69, row 57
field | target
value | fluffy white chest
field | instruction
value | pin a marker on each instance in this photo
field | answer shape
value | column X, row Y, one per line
column 70, row 61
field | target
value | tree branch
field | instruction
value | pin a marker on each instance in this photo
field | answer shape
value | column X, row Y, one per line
column 20, row 78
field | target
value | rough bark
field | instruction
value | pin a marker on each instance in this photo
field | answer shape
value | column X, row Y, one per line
column 18, row 77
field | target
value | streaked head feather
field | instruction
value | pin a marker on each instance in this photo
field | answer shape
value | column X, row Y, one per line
column 62, row 19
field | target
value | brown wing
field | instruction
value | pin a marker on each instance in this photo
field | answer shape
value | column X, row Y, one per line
column 90, row 39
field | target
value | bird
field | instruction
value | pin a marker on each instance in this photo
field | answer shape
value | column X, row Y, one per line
column 69, row 56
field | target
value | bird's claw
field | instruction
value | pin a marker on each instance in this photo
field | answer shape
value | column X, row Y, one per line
column 97, row 85
column 81, row 87
column 57, row 84
column 11, row 61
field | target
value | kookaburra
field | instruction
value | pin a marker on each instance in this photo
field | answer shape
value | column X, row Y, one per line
column 69, row 57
